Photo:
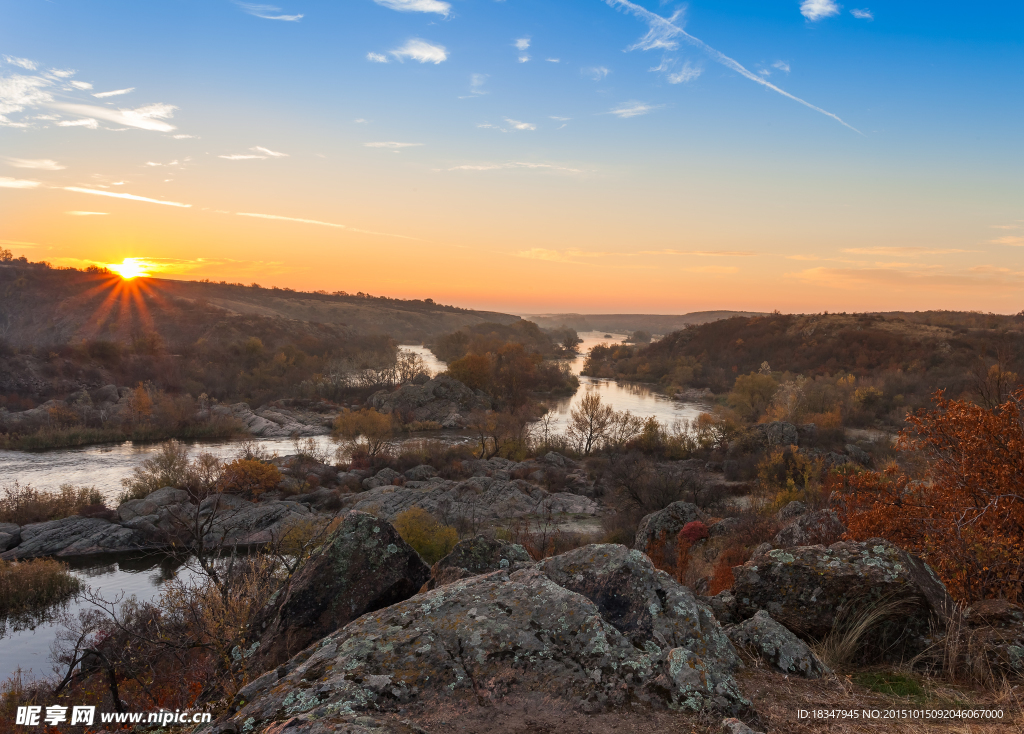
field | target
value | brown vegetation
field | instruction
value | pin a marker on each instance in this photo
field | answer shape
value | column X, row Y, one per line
column 22, row 505
column 28, row 586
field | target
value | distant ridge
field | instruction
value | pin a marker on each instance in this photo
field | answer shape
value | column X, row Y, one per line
column 629, row 322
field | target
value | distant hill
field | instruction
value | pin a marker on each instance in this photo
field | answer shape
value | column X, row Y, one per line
column 629, row 322
column 41, row 306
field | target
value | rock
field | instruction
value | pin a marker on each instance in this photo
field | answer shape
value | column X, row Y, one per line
column 152, row 503
column 478, row 498
column 483, row 638
column 10, row 536
column 793, row 509
column 735, row 726
column 365, row 566
column 443, row 400
column 106, row 395
column 421, row 473
column 778, row 433
column 555, row 459
column 661, row 528
column 725, row 526
column 475, row 556
column 762, row 549
column 858, row 454
column 383, row 478
column 723, row 605
column 240, row 522
column 777, row 646
column 806, row 433
column 996, row 630
column 809, row 589
column 75, row 536
column 820, row 527
column 269, row 422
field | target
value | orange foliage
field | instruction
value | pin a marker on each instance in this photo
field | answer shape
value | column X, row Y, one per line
column 965, row 516
column 727, row 560
column 473, row 370
column 249, row 478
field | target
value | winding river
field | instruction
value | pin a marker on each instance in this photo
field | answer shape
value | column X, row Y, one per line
column 104, row 467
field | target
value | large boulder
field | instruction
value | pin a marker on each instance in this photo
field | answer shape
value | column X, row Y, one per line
column 781, row 649
column 481, row 639
column 442, row 400
column 812, row 589
column 75, row 536
column 475, row 556
column 778, row 433
column 995, row 628
column 365, row 566
column 819, row 527
column 10, row 535
column 658, row 531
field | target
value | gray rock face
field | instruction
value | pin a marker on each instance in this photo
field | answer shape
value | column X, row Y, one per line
column 483, row 498
column 809, row 589
column 10, row 535
column 778, row 433
column 365, row 566
column 152, row 503
column 382, row 478
column 421, row 473
column 777, row 646
column 663, row 527
column 443, row 400
column 820, row 527
column 475, row 556
column 735, row 726
column 793, row 509
column 75, row 536
column 858, row 454
column 240, row 522
column 106, row 395
column 270, row 422
column 480, row 639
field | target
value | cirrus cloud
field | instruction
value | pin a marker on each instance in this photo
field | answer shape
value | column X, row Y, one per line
column 417, row 6
column 423, row 51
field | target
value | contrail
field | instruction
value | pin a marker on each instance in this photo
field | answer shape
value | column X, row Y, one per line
column 663, row 30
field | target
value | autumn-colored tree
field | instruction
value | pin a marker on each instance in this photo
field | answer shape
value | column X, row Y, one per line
column 249, row 478
column 752, row 394
column 965, row 515
column 589, row 423
column 514, row 374
column 432, row 540
column 473, row 371
column 366, row 429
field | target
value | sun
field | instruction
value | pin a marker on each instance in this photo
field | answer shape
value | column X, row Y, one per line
column 132, row 267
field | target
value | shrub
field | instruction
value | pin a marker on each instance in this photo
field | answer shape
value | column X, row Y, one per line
column 171, row 466
column 27, row 586
column 367, row 430
column 432, row 540
column 248, row 478
column 26, row 504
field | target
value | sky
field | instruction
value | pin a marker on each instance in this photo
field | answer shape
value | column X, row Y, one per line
column 595, row 156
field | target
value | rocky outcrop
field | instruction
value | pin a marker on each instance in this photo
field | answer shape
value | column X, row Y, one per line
column 10, row 535
column 733, row 725
column 273, row 422
column 365, row 566
column 995, row 628
column 811, row 589
column 778, row 433
column 475, row 556
column 481, row 498
column 781, row 649
column 661, row 529
column 482, row 638
column 819, row 527
column 442, row 400
column 75, row 536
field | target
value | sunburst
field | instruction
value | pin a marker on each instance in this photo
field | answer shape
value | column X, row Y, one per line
column 131, row 267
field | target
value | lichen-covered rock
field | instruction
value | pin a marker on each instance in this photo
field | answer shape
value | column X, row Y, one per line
column 808, row 588
column 777, row 646
column 735, row 726
column 442, row 400
column 75, row 536
column 421, row 473
column 646, row 605
column 778, row 433
column 997, row 629
column 383, row 478
column 657, row 532
column 364, row 566
column 723, row 606
column 480, row 639
column 793, row 509
column 474, row 556
column 820, row 527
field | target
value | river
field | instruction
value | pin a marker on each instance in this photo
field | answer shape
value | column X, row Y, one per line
column 103, row 467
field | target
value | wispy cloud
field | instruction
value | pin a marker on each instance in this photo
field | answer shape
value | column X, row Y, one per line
column 1012, row 241
column 423, row 51
column 131, row 197
column 522, row 44
column 6, row 182
column 243, row 157
column 688, row 73
column 912, row 278
column 318, row 223
column 554, row 61
column 84, row 122
column 268, row 12
column 392, row 145
column 905, row 251
column 39, row 164
column 518, row 125
column 87, row 214
column 417, row 6
column 149, row 117
column 781, row 66
column 597, row 73
column 664, row 32
column 184, row 137
column 377, row 58
column 633, row 109
column 23, row 63
column 515, row 164
column 818, row 9
column 115, row 93
column 700, row 253
column 81, row 85
column 862, row 13
column 476, row 83
column 269, row 152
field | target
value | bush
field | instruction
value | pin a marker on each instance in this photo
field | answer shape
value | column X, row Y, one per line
column 367, row 430
column 171, row 466
column 27, row 586
column 26, row 504
column 432, row 540
column 248, row 478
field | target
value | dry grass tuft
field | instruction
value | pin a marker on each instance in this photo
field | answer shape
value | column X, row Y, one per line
column 28, row 586
column 22, row 505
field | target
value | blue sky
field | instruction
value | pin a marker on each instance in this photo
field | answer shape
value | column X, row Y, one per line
column 630, row 146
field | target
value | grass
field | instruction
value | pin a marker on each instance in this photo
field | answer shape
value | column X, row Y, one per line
column 62, row 438
column 29, row 586
column 889, row 683
column 23, row 505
